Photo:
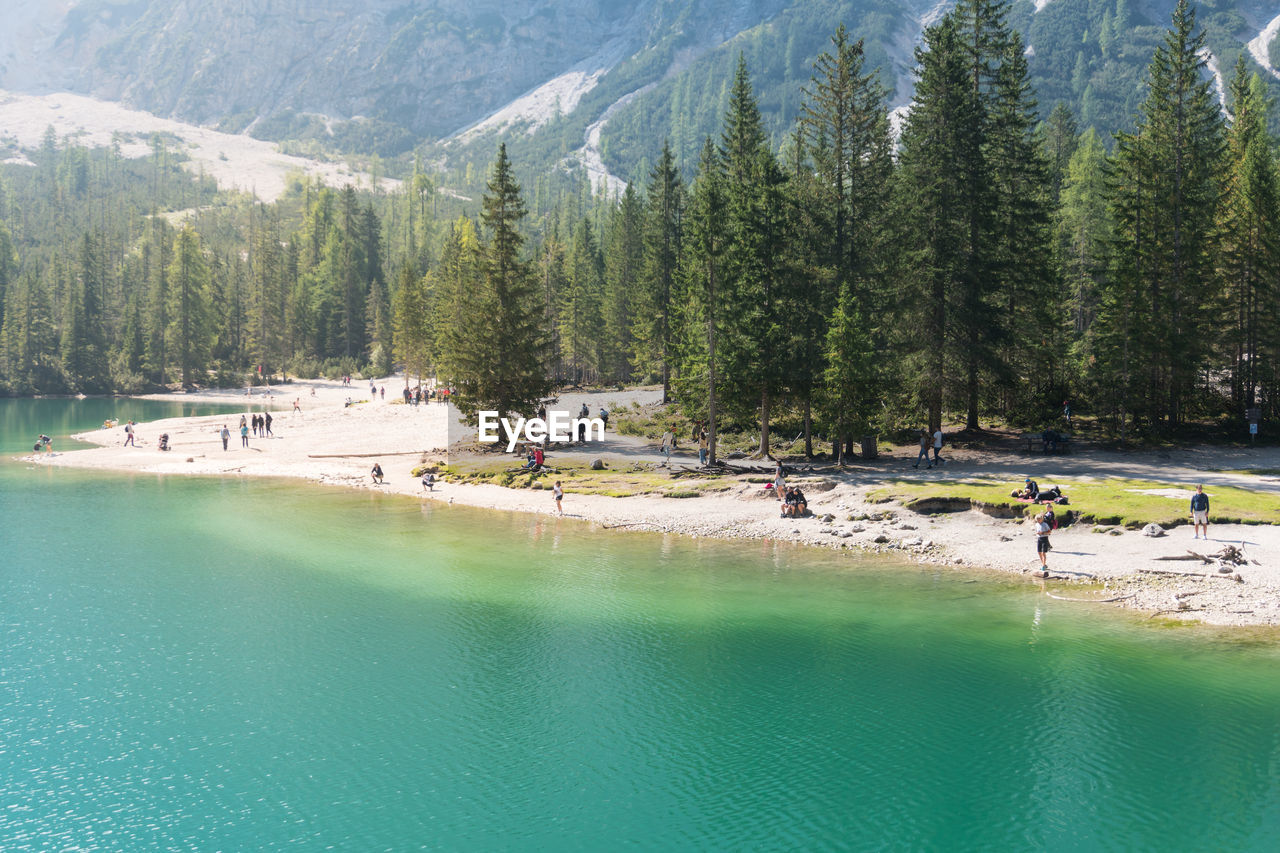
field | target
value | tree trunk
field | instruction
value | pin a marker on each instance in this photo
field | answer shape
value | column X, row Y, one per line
column 711, row 367
column 808, row 429
column 763, row 452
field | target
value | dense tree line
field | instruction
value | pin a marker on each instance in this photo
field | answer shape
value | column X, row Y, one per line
column 985, row 264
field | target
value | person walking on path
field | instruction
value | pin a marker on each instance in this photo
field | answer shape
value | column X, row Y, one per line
column 297, row 404
column 128, row 435
column 226, row 436
column 667, row 440
column 937, row 447
column 244, row 433
column 557, row 492
column 266, row 425
column 1200, row 512
column 1043, row 529
column 924, row 450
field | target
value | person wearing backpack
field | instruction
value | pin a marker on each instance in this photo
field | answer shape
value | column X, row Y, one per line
column 129, row 434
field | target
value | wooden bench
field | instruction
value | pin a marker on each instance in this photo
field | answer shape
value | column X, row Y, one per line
column 1035, row 441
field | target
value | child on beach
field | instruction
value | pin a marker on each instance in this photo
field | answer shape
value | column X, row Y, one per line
column 557, row 492
column 1042, row 544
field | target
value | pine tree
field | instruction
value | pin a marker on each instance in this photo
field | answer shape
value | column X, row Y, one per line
column 663, row 234
column 939, row 147
column 623, row 264
column 191, row 327
column 1165, row 198
column 753, row 271
column 696, row 323
column 496, row 344
column 579, row 311
column 840, row 210
column 414, row 316
column 1059, row 137
column 1084, row 227
column 84, row 354
column 1249, row 224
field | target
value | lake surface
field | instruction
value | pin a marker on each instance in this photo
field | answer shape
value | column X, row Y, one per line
column 217, row 664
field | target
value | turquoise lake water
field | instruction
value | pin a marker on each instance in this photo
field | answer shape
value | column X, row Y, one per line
column 217, row 664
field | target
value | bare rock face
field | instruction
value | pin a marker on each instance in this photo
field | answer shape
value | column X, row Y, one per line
column 427, row 68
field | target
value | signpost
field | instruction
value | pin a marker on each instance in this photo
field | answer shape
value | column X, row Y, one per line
column 1254, row 414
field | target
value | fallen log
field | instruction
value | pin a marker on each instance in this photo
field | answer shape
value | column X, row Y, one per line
column 1233, row 577
column 1190, row 555
column 368, row 455
column 1091, row 600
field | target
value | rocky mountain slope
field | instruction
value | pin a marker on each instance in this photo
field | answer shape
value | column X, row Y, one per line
column 610, row 78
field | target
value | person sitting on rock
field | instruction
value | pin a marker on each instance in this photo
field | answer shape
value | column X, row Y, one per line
column 801, row 503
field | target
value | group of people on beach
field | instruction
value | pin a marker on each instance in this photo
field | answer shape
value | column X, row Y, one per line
column 794, row 503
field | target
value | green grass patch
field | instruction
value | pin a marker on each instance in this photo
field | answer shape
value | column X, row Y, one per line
column 578, row 478
column 1118, row 502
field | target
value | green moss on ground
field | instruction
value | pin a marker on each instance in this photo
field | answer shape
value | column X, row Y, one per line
column 1102, row 502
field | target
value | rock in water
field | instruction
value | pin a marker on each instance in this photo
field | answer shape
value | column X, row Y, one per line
column 1153, row 529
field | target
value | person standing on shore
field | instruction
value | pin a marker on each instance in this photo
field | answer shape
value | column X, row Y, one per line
column 244, row 433
column 226, row 436
column 937, row 447
column 779, row 481
column 297, row 404
column 266, row 425
column 1042, row 543
column 1200, row 512
column 128, row 435
column 557, row 492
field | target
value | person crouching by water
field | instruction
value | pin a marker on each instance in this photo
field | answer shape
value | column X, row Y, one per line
column 1043, row 529
column 376, row 473
column 429, row 481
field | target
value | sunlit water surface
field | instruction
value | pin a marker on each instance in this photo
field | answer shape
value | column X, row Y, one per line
column 215, row 664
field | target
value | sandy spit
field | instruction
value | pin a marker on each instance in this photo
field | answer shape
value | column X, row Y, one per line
column 326, row 442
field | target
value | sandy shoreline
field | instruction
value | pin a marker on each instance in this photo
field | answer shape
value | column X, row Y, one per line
column 328, row 443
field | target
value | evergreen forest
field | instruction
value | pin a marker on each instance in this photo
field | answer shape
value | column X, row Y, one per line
column 985, row 260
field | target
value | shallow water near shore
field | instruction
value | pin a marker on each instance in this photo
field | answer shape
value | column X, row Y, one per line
column 202, row 663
